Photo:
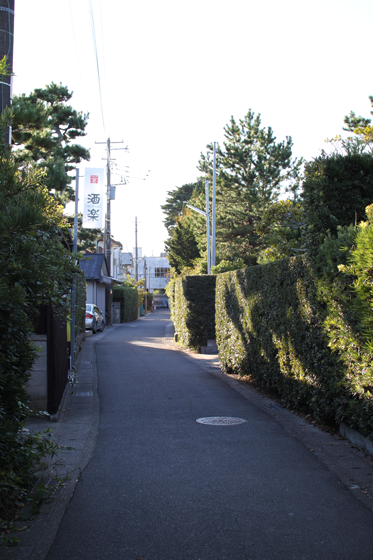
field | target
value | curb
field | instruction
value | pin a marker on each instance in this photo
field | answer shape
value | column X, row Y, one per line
column 356, row 438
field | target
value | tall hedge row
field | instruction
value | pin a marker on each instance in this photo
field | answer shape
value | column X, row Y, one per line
column 81, row 295
column 336, row 190
column 192, row 301
column 128, row 298
column 271, row 325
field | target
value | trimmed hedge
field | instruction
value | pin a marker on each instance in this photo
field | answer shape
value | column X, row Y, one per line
column 271, row 326
column 128, row 298
column 192, row 301
column 170, row 291
column 335, row 192
column 81, row 294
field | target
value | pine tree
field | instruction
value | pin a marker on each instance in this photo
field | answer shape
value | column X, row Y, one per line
column 87, row 238
column 251, row 170
column 44, row 128
column 182, row 246
column 173, row 208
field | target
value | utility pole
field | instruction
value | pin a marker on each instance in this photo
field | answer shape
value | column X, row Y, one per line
column 107, row 233
column 136, row 254
column 146, row 295
column 6, row 49
column 213, row 252
column 107, row 242
column 207, row 216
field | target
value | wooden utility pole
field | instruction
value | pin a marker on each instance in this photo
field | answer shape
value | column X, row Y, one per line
column 146, row 295
column 6, row 49
column 107, row 242
column 107, row 232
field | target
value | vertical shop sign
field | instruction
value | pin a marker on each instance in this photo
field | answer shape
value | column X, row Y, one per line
column 93, row 212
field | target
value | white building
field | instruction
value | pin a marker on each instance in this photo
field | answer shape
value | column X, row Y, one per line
column 157, row 270
column 120, row 263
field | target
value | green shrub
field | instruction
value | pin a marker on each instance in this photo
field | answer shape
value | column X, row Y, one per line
column 360, row 269
column 272, row 325
column 35, row 268
column 170, row 291
column 149, row 300
column 192, row 301
column 128, row 298
column 81, row 294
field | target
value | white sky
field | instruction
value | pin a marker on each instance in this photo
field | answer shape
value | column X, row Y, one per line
column 173, row 73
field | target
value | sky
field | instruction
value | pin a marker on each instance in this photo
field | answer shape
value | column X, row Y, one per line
column 169, row 75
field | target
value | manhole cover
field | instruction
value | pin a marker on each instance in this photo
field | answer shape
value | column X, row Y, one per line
column 220, row 420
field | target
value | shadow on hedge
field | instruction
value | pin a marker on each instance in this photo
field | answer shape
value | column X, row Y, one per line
column 270, row 326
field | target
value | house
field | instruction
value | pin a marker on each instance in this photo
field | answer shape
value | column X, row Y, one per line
column 118, row 259
column 95, row 269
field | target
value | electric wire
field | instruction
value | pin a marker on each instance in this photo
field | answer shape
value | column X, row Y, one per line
column 104, row 65
column 77, row 53
column 97, row 64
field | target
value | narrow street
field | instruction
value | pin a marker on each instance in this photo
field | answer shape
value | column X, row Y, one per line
column 161, row 486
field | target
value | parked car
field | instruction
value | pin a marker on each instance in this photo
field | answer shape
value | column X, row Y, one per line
column 94, row 320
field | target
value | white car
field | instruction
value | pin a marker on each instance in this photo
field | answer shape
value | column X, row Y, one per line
column 94, row 320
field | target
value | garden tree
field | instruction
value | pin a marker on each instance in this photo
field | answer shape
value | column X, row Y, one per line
column 336, row 190
column 35, row 267
column 182, row 247
column 87, row 237
column 281, row 229
column 362, row 139
column 44, row 127
column 173, row 208
column 361, row 127
column 360, row 268
column 251, row 170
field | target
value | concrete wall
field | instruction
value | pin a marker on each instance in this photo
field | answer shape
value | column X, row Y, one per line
column 90, row 292
column 38, row 384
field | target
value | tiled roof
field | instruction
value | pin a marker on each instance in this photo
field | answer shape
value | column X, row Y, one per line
column 94, row 266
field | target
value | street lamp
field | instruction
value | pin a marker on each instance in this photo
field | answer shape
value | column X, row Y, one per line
column 207, row 214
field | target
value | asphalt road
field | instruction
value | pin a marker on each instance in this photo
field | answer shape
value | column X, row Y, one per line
column 161, row 486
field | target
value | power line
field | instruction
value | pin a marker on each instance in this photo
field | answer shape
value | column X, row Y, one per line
column 77, row 52
column 104, row 65
column 97, row 64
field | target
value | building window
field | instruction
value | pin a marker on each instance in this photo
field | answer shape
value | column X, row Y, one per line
column 161, row 272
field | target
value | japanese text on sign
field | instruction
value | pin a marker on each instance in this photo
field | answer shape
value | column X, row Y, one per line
column 93, row 213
